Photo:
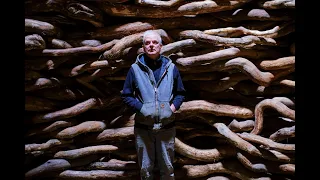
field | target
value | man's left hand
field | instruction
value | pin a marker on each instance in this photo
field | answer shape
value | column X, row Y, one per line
column 173, row 108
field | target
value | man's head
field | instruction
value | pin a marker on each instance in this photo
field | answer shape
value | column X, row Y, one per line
column 152, row 44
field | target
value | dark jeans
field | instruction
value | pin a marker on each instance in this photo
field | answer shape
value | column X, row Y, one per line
column 151, row 144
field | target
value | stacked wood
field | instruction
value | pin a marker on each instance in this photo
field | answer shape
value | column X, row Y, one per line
column 237, row 62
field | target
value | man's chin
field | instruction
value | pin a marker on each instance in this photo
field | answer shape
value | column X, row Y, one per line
column 152, row 53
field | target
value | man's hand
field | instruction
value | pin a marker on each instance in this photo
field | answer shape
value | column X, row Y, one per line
column 173, row 108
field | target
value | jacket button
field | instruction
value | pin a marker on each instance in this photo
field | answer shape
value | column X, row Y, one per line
column 162, row 105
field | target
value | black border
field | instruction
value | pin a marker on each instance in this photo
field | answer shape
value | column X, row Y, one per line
column 307, row 92
column 12, row 90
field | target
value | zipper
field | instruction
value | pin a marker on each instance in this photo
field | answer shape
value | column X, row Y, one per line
column 156, row 95
column 156, row 103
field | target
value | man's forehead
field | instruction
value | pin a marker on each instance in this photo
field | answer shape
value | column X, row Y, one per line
column 152, row 37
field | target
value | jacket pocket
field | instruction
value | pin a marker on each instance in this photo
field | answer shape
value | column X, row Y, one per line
column 166, row 115
column 146, row 114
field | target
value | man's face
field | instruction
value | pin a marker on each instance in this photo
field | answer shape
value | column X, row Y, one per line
column 152, row 46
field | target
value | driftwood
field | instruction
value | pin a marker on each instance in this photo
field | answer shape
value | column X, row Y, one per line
column 267, row 142
column 163, row 12
column 279, row 106
column 34, row 41
column 85, row 151
column 85, row 127
column 208, row 155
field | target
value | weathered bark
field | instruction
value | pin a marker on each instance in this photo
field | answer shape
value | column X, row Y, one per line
column 52, row 166
column 276, row 32
column 50, row 127
column 281, row 63
column 34, row 41
column 66, row 113
column 235, row 140
column 201, row 21
column 236, row 126
column 157, row 3
column 77, row 50
column 267, row 142
column 266, row 166
column 256, row 14
column 286, row 82
column 113, row 134
column 97, row 174
column 178, row 45
column 74, row 10
column 283, row 133
column 112, row 164
column 41, row 27
column 202, row 106
column 44, row 146
column 231, row 167
column 59, row 44
column 206, row 155
column 275, row 104
column 192, row 8
column 87, row 42
column 220, row 55
column 84, row 127
column 85, row 151
column 277, row 4
column 225, row 41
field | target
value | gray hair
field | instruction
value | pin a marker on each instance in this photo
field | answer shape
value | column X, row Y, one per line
column 149, row 32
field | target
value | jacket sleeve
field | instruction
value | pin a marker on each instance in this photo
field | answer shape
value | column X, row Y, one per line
column 178, row 89
column 128, row 90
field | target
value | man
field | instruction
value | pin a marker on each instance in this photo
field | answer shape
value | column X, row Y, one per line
column 154, row 90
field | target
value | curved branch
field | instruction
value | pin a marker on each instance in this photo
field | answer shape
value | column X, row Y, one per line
column 235, row 140
column 34, row 41
column 266, row 167
column 84, row 127
column 158, row 3
column 280, row 63
column 97, row 174
column 45, row 146
column 226, row 41
column 40, row 27
column 262, row 78
column 230, row 167
column 267, row 142
column 192, row 8
column 277, row 4
column 202, row 106
column 85, row 151
column 275, row 32
column 267, row 103
column 206, row 155
column 66, row 113
column 283, row 133
column 78, row 50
